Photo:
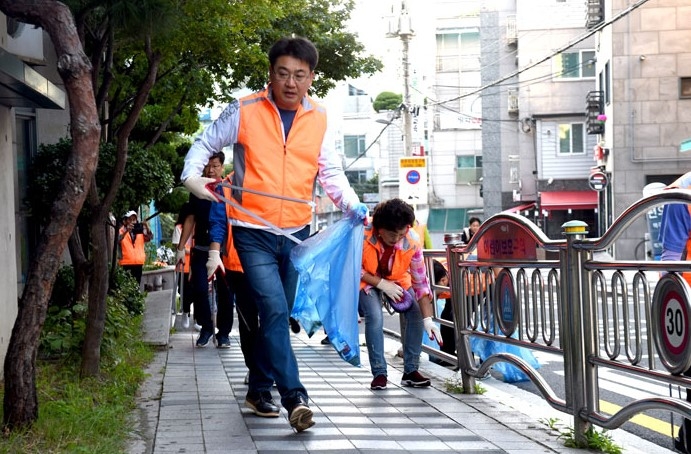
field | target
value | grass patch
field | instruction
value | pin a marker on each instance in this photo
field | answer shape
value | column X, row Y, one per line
column 597, row 440
column 84, row 415
column 454, row 385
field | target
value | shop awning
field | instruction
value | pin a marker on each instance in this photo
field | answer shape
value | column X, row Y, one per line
column 568, row 200
column 520, row 208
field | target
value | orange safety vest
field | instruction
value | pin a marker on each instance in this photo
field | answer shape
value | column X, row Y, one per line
column 372, row 250
column 263, row 160
column 133, row 252
column 231, row 260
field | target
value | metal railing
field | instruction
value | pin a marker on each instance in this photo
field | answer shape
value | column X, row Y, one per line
column 594, row 313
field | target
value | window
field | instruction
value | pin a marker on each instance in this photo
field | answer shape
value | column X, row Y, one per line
column 575, row 65
column 685, row 88
column 571, row 139
column 606, row 88
column 356, row 176
column 468, row 169
column 353, row 146
column 448, row 219
column 354, row 91
column 26, row 227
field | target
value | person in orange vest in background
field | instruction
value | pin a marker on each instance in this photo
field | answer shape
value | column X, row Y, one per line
column 132, row 236
column 675, row 236
column 182, row 258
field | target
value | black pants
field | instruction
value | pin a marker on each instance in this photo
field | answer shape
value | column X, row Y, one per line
column 135, row 271
column 448, row 334
column 186, row 293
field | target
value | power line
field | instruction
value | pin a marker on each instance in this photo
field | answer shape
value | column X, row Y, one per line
column 556, row 52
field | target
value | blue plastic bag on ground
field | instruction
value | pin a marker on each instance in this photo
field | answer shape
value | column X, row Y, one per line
column 329, row 266
column 484, row 348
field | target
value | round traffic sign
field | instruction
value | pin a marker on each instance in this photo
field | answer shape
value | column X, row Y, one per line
column 505, row 296
column 413, row 177
column 671, row 314
column 598, row 181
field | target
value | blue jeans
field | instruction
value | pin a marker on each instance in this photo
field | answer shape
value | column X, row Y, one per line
column 370, row 307
column 272, row 279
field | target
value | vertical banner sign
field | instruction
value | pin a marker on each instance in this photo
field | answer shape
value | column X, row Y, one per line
column 412, row 180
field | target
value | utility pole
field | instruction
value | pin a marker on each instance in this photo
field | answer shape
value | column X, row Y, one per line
column 401, row 27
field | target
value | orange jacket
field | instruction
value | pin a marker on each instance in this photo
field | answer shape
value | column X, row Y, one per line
column 133, row 252
column 230, row 258
column 288, row 173
column 372, row 250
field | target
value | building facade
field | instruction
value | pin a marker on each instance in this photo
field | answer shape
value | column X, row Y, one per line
column 32, row 111
column 643, row 78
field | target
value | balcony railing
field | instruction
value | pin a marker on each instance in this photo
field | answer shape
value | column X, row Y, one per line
column 594, row 107
column 595, row 13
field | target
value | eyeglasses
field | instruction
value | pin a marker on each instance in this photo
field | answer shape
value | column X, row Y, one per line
column 392, row 235
column 283, row 76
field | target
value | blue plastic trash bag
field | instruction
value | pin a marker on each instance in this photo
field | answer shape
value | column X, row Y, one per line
column 484, row 348
column 329, row 266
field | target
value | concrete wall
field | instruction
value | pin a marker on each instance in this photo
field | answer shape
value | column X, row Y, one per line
column 8, row 266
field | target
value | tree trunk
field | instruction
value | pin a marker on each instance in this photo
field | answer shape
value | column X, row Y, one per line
column 98, row 289
column 80, row 265
column 98, row 286
column 20, row 400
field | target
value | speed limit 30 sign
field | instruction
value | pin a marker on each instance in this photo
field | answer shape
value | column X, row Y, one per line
column 671, row 313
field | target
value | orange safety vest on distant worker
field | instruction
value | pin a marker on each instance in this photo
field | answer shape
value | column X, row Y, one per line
column 372, row 250
column 289, row 172
column 231, row 260
column 133, row 252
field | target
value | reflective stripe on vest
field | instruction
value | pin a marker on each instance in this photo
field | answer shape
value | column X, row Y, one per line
column 264, row 161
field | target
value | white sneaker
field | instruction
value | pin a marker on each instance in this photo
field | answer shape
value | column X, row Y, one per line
column 197, row 327
column 186, row 320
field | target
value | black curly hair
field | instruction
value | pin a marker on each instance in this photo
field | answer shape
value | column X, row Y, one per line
column 393, row 214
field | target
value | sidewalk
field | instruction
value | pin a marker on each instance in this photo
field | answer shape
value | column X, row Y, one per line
column 193, row 403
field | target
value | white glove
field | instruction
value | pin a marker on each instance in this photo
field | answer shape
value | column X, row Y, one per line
column 391, row 289
column 180, row 257
column 214, row 263
column 432, row 330
column 197, row 186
